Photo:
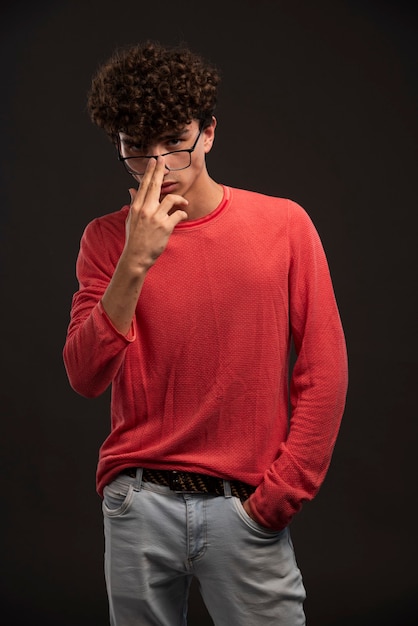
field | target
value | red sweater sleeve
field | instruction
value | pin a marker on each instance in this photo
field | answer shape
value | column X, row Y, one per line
column 94, row 348
column 292, row 286
column 318, row 383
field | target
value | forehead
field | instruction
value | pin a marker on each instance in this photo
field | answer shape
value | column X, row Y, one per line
column 153, row 139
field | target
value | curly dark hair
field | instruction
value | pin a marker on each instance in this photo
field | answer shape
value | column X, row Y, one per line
column 147, row 89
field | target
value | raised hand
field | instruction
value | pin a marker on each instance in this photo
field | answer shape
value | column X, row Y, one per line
column 151, row 219
column 150, row 222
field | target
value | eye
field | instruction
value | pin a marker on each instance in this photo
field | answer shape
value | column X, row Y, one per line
column 130, row 148
column 173, row 142
column 134, row 147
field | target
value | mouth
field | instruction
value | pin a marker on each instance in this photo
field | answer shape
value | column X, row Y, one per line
column 168, row 187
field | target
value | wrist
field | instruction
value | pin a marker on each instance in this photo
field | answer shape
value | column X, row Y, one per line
column 249, row 510
column 134, row 265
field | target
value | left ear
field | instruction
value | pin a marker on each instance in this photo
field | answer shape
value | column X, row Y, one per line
column 209, row 135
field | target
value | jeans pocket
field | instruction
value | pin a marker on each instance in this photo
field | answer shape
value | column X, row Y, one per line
column 252, row 525
column 117, row 498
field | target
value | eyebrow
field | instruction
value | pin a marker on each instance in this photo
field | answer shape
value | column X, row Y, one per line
column 174, row 134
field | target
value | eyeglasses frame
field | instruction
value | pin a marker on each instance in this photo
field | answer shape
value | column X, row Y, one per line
column 155, row 156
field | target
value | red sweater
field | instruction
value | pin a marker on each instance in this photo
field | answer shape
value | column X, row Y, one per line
column 201, row 381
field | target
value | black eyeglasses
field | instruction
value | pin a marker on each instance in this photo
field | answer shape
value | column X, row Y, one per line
column 174, row 161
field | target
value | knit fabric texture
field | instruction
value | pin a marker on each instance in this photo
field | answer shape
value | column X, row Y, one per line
column 201, row 381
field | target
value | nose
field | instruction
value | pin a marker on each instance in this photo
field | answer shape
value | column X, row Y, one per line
column 155, row 150
column 156, row 156
column 159, row 155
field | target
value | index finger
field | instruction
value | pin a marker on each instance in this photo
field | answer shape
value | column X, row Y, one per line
column 156, row 180
column 150, row 186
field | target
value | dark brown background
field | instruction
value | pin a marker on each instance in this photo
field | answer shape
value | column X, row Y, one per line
column 318, row 103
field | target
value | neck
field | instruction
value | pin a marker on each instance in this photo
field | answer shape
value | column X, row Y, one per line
column 203, row 199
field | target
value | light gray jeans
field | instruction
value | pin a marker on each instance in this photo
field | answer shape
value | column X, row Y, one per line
column 156, row 541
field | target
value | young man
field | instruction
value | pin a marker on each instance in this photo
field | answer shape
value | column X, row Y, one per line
column 188, row 300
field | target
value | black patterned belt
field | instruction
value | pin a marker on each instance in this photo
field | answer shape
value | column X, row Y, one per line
column 190, row 482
